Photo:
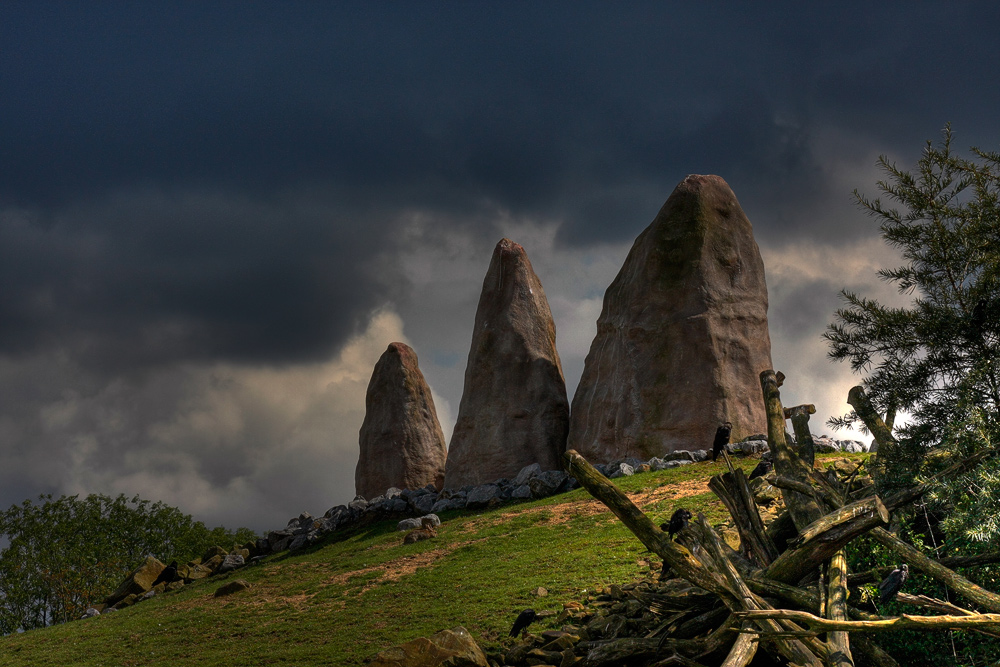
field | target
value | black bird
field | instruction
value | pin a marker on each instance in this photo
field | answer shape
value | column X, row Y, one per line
column 721, row 439
column 677, row 523
column 763, row 468
column 891, row 584
column 168, row 574
column 524, row 619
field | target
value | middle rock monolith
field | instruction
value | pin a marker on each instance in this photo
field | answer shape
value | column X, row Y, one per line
column 683, row 335
column 514, row 410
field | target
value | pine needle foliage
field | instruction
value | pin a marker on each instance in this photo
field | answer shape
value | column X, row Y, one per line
column 937, row 358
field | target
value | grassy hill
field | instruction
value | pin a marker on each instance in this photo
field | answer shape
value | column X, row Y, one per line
column 341, row 602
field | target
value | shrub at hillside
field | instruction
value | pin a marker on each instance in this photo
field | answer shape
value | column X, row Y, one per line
column 937, row 360
column 64, row 554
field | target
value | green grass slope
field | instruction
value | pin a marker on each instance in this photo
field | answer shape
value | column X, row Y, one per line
column 343, row 601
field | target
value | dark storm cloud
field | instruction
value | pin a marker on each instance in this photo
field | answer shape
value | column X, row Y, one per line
column 148, row 278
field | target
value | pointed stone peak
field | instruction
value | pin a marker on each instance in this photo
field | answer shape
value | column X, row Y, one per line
column 514, row 410
column 401, row 441
column 682, row 336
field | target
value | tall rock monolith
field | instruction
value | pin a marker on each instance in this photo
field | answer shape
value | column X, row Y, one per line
column 402, row 444
column 514, row 410
column 682, row 337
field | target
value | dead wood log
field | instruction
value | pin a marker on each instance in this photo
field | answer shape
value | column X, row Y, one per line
column 838, row 642
column 734, row 492
column 904, row 622
column 743, row 650
column 795, row 651
column 821, row 539
column 803, row 508
column 917, row 560
column 869, row 415
column 950, row 562
column 803, row 438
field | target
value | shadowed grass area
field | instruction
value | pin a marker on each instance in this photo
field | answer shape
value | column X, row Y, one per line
column 363, row 591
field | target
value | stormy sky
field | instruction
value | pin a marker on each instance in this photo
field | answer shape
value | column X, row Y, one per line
column 215, row 216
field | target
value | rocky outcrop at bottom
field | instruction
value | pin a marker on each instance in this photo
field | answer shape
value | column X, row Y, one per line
column 448, row 648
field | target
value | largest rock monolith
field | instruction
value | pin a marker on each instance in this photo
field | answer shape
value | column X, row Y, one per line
column 514, row 410
column 682, row 336
column 402, row 444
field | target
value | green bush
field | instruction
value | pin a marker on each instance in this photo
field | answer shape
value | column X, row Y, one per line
column 65, row 554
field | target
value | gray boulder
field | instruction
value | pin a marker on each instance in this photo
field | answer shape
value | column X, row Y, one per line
column 522, row 492
column 546, row 483
column 424, row 503
column 481, row 496
column 233, row 562
column 527, row 472
column 408, row 524
column 617, row 470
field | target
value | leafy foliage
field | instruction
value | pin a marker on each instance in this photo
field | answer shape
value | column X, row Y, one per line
column 67, row 553
column 936, row 358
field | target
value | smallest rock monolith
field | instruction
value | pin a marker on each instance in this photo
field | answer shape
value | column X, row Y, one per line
column 402, row 444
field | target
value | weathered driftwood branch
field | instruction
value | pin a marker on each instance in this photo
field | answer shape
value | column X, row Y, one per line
column 734, row 492
column 803, row 438
column 793, row 650
column 803, row 508
column 942, row 606
column 743, row 650
column 904, row 622
column 918, row 561
column 821, row 539
column 950, row 562
column 838, row 642
column 871, row 418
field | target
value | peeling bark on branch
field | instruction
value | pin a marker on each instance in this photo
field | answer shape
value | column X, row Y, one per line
column 904, row 622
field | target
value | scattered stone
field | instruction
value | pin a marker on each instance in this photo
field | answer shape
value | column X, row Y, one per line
column 408, row 524
column 620, row 470
column 137, row 582
column 401, row 441
column 682, row 336
column 231, row 562
column 212, row 553
column 481, row 496
column 91, row 612
column 234, row 586
column 540, row 592
column 514, row 410
column 448, row 648
column 527, row 472
column 522, row 492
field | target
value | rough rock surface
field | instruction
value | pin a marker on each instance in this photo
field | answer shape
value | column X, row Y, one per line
column 451, row 648
column 682, row 337
column 402, row 444
column 514, row 410
column 137, row 582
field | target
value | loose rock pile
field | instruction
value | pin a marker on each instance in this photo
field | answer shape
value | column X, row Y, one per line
column 530, row 483
column 139, row 586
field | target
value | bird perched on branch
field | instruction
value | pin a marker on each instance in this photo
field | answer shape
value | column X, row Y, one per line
column 891, row 584
column 524, row 619
column 763, row 468
column 677, row 523
column 721, row 439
